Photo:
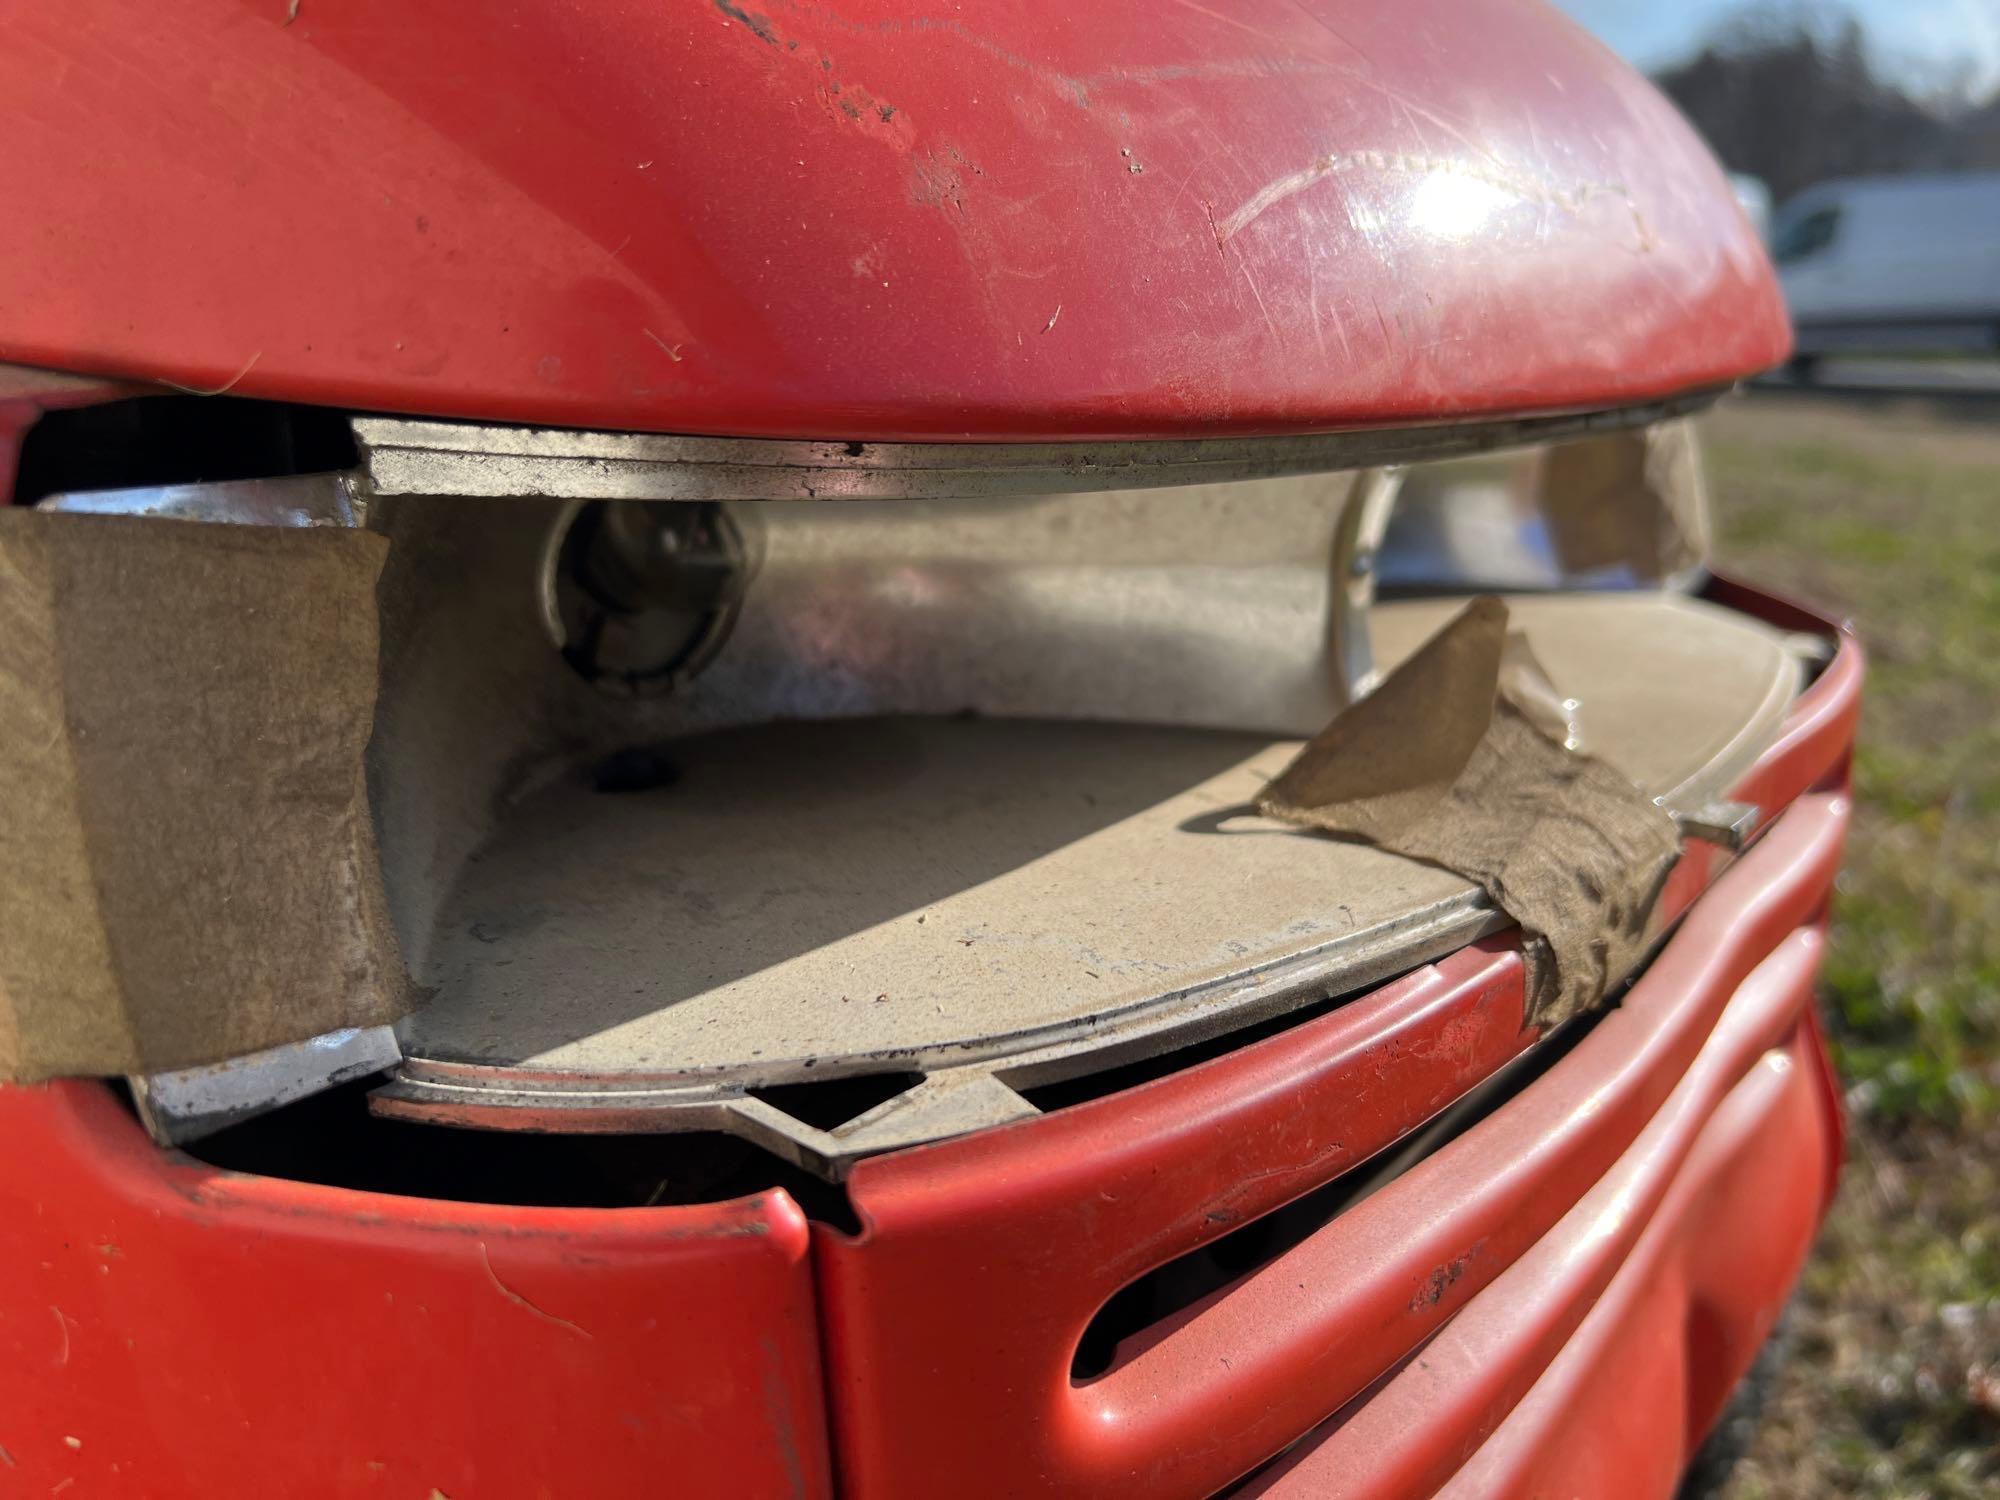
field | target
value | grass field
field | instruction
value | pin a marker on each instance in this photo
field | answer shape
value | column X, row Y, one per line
column 1891, row 515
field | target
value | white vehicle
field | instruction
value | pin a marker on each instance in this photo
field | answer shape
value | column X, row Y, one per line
column 1754, row 198
column 1902, row 264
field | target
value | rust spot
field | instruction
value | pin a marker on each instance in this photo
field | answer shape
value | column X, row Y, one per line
column 1440, row 1281
column 842, row 100
column 940, row 183
column 852, row 103
column 760, row 26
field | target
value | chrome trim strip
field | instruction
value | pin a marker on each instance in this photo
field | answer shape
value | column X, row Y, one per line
column 293, row 500
column 406, row 456
column 186, row 1104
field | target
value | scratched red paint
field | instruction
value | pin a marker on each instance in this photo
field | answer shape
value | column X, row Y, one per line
column 780, row 217
column 205, row 1334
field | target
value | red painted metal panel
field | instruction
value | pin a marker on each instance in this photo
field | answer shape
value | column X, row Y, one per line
column 1813, row 748
column 1698, row 1295
column 781, row 217
column 952, row 1319
column 1479, row 1368
column 168, row 1330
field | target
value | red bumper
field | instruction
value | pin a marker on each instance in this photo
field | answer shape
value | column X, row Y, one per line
column 170, row 1331
column 1557, row 1300
column 952, row 1320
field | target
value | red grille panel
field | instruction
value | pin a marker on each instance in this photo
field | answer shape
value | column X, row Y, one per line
column 953, row 1317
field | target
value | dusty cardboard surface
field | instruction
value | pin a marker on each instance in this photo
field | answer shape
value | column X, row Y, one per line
column 987, row 878
column 1680, row 696
column 1452, row 761
column 187, row 866
column 900, row 888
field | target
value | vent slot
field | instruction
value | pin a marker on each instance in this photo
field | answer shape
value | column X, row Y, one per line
column 1149, row 1308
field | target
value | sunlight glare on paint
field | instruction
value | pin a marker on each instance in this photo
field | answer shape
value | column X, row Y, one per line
column 1450, row 206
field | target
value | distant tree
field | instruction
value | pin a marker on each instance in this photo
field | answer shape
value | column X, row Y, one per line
column 1786, row 90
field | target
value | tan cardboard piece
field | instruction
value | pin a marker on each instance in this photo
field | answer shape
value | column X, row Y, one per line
column 1455, row 760
column 188, row 870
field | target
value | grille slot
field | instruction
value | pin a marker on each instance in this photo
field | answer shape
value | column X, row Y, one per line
column 1149, row 1309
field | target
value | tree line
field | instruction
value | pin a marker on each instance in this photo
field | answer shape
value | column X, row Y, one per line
column 1790, row 93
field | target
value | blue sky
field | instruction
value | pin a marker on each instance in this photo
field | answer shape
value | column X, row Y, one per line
column 1919, row 39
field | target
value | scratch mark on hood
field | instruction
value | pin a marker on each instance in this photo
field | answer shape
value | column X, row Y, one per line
column 1274, row 192
column 1216, row 15
column 1278, row 189
column 1076, row 89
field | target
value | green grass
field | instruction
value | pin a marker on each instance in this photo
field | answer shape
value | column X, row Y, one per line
column 1907, row 541
column 1894, row 521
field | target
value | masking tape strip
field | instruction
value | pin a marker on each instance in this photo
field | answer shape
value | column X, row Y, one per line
column 1453, row 760
column 188, row 868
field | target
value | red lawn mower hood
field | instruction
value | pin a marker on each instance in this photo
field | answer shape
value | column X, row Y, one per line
column 868, row 220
